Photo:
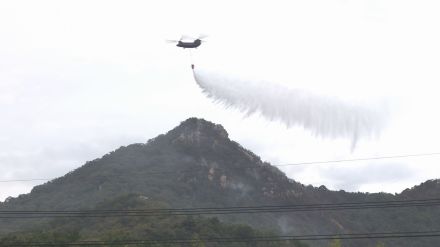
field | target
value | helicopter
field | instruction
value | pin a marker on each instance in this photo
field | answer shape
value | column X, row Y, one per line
column 185, row 42
column 188, row 42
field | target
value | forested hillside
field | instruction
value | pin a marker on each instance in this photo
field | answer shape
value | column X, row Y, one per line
column 196, row 165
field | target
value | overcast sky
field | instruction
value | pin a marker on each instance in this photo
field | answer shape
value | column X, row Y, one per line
column 81, row 78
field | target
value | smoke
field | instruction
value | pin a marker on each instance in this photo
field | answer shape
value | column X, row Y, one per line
column 324, row 116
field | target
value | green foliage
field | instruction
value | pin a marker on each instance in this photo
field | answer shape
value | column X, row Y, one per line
column 336, row 243
column 117, row 229
column 39, row 236
column 184, row 168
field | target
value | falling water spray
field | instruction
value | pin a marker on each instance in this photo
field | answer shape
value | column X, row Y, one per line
column 324, row 116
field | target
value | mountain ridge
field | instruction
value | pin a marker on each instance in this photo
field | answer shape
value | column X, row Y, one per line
column 197, row 165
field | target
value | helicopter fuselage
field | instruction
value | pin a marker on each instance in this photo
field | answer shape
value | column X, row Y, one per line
column 196, row 43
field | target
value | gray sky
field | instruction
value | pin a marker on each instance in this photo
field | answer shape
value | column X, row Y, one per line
column 81, row 78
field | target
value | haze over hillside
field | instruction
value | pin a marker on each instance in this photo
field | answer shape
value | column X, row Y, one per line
column 196, row 165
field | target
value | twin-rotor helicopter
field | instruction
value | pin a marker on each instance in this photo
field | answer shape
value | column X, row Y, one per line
column 188, row 42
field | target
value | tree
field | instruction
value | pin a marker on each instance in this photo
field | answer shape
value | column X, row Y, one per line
column 197, row 242
column 336, row 243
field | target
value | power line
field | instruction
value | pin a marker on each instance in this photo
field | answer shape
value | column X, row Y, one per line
column 317, row 237
column 31, row 214
column 359, row 159
column 149, row 173
column 26, row 180
column 282, row 165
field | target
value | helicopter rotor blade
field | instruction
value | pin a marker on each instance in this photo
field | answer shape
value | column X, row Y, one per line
column 203, row 36
column 186, row 37
column 171, row 41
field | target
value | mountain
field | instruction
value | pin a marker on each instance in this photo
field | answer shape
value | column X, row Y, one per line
column 197, row 165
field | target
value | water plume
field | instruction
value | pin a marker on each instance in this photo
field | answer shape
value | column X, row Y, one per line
column 324, row 116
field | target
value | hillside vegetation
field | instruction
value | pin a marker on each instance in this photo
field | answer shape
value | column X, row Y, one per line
column 197, row 165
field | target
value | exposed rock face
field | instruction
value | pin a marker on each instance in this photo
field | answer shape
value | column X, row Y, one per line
column 197, row 132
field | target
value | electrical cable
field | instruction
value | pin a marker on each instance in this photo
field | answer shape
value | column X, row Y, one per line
column 282, row 165
column 317, row 237
column 31, row 214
